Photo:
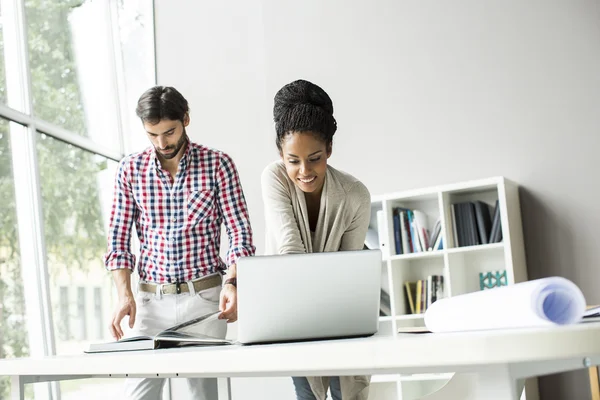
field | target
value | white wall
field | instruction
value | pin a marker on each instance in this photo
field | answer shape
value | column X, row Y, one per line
column 424, row 93
column 213, row 53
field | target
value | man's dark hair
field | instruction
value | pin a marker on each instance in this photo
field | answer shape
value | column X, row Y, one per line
column 161, row 102
column 302, row 106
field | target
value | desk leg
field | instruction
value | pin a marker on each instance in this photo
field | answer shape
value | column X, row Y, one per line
column 224, row 386
column 493, row 383
column 18, row 388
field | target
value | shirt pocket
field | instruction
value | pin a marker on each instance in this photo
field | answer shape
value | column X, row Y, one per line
column 199, row 206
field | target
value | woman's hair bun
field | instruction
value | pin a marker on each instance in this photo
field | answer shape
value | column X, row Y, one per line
column 302, row 106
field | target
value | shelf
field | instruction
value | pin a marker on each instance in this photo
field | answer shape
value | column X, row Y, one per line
column 460, row 266
column 440, row 253
column 481, row 247
column 422, row 254
column 407, row 317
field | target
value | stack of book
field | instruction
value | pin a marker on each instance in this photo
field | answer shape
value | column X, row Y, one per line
column 473, row 224
column 411, row 233
column 423, row 293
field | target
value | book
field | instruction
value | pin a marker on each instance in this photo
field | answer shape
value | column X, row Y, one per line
column 409, row 290
column 496, row 231
column 413, row 329
column 406, row 242
column 591, row 312
column 176, row 336
column 435, row 234
column 484, row 221
column 397, row 237
column 382, row 234
column 421, row 223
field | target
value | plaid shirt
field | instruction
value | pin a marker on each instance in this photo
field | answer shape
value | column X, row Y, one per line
column 178, row 221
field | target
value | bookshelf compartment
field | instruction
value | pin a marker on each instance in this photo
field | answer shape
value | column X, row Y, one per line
column 484, row 201
column 402, row 323
column 464, row 268
column 412, row 270
column 411, row 222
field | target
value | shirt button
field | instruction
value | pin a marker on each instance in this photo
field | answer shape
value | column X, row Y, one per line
column 174, row 219
column 173, row 239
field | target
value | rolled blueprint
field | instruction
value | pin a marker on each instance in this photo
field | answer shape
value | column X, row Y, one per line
column 537, row 303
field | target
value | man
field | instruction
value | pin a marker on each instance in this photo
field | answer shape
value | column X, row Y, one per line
column 177, row 193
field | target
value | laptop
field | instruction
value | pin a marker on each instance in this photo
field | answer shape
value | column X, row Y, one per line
column 298, row 297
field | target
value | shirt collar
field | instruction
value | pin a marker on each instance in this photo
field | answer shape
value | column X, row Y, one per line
column 182, row 163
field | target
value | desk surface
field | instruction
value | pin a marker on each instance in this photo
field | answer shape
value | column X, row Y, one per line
column 408, row 353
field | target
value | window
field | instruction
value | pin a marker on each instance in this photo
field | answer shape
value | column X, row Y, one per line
column 71, row 72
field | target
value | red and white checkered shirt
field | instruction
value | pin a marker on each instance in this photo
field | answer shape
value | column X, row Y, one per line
column 178, row 221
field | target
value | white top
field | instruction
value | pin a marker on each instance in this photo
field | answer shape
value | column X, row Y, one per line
column 445, row 352
column 344, row 213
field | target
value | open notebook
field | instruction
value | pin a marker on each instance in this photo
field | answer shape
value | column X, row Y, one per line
column 176, row 336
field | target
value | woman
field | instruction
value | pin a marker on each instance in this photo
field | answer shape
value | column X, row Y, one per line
column 311, row 207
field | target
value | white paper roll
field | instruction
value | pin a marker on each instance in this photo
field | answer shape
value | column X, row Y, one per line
column 541, row 302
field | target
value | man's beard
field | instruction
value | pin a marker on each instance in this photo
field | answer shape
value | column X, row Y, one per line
column 177, row 147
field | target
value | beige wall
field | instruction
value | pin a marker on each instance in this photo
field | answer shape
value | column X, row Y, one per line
column 425, row 93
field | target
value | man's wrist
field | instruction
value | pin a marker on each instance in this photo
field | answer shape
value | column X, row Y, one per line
column 122, row 279
column 231, row 281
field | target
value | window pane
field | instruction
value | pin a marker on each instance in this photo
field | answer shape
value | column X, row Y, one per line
column 64, row 328
column 72, row 67
column 99, row 326
column 77, row 188
column 81, row 313
column 137, row 50
column 13, row 327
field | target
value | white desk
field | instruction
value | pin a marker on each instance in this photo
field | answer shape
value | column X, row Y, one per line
column 489, row 365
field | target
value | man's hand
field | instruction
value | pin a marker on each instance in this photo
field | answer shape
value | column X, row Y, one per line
column 122, row 278
column 228, row 303
column 126, row 307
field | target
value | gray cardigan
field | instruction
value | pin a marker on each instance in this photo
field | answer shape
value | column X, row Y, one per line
column 344, row 215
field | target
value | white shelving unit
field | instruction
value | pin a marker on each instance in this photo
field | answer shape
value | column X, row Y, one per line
column 460, row 266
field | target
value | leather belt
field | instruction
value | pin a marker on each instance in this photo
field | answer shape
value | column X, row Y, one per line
column 201, row 284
